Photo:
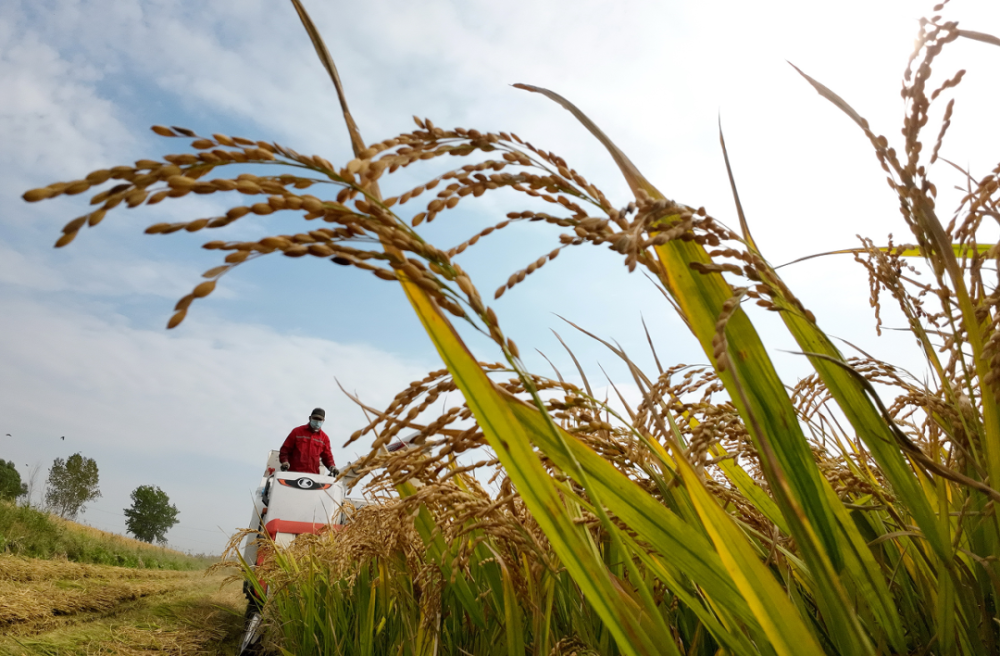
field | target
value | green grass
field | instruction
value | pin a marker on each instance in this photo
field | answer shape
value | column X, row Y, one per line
column 26, row 531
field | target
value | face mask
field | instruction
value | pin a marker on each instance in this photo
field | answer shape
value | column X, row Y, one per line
column 315, row 424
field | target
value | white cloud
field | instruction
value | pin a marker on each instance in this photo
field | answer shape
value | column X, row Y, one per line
column 53, row 122
column 99, row 378
column 155, row 406
column 81, row 272
column 83, row 79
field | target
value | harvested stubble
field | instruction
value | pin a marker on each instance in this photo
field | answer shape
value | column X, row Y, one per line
column 17, row 569
column 37, row 595
column 198, row 618
column 723, row 514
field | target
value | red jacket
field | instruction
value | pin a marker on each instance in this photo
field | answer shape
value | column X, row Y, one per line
column 303, row 449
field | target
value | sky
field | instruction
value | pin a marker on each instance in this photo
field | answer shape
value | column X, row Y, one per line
column 84, row 353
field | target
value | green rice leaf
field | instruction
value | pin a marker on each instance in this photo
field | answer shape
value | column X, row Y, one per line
column 960, row 250
column 507, row 438
column 761, row 400
column 684, row 545
column 778, row 618
column 942, row 257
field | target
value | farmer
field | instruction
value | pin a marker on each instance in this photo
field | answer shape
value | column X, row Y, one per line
column 306, row 446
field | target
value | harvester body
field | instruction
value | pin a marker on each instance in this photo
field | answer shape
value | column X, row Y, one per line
column 288, row 503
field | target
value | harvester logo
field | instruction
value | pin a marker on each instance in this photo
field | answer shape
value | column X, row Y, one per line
column 304, row 483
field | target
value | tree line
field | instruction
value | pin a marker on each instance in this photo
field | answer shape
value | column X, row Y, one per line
column 73, row 482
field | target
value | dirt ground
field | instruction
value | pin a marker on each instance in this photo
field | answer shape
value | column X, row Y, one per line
column 62, row 608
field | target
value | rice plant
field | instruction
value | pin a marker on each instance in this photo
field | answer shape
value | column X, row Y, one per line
column 851, row 512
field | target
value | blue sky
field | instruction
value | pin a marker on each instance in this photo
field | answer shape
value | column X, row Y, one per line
column 83, row 349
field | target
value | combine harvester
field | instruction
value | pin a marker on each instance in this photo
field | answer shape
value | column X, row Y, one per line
column 288, row 504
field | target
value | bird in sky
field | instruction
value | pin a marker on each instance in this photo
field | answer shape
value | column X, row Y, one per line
column 63, row 438
column 8, row 434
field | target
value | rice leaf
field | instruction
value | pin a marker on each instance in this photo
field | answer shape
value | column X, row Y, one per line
column 763, row 403
column 779, row 620
column 505, row 435
column 749, row 488
column 512, row 612
column 632, row 175
column 839, row 102
column 438, row 552
column 980, row 36
column 744, row 227
column 507, row 438
column 943, row 257
column 865, row 573
column 357, row 143
column 686, row 548
column 960, row 250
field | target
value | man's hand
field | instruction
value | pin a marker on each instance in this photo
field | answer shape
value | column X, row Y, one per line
column 284, row 466
column 334, row 472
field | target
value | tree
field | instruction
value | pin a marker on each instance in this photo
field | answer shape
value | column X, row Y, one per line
column 32, row 485
column 72, row 483
column 151, row 514
column 11, row 486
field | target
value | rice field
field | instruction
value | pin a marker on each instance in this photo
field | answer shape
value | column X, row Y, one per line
column 86, row 591
column 729, row 511
column 38, row 594
column 60, row 607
